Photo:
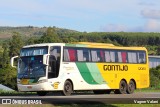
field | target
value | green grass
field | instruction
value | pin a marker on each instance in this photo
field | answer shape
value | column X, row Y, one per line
column 148, row 90
column 14, row 93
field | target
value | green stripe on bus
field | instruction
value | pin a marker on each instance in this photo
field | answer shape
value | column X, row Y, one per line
column 95, row 73
column 75, row 45
column 80, row 45
column 85, row 73
column 70, row 45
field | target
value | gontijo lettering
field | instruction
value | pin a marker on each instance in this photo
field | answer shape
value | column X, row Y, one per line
column 115, row 68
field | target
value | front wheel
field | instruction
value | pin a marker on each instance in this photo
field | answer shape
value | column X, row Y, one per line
column 67, row 89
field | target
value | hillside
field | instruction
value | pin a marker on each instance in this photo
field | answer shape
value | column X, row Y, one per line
column 33, row 35
column 6, row 32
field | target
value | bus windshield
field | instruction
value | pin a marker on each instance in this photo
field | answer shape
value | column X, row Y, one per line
column 34, row 51
column 31, row 67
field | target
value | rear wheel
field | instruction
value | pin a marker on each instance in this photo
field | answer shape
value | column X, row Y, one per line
column 131, row 87
column 67, row 89
column 41, row 93
column 122, row 88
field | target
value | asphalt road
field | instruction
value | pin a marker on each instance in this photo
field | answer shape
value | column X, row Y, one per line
column 135, row 98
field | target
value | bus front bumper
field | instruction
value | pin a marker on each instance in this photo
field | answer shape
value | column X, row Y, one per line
column 37, row 87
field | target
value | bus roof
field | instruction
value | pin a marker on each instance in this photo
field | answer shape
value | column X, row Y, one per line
column 44, row 44
column 104, row 45
column 94, row 44
column 86, row 44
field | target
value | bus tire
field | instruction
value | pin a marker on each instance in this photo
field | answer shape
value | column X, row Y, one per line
column 122, row 88
column 41, row 93
column 68, row 88
column 131, row 87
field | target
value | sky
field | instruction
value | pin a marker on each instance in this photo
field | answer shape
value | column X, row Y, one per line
column 83, row 15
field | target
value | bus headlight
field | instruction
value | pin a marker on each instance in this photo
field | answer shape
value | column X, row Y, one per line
column 42, row 81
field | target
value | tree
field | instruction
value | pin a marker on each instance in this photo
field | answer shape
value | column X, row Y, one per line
column 7, row 73
column 50, row 36
column 5, row 56
column 155, row 77
column 32, row 40
column 8, row 76
column 158, row 50
column 16, row 44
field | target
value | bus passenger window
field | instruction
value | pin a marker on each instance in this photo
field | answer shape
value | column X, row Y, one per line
column 124, row 57
column 132, row 57
column 119, row 56
column 107, row 56
column 94, row 56
column 80, row 55
column 72, row 54
column 113, row 56
column 141, row 57
column 66, row 55
column 102, row 56
column 86, row 55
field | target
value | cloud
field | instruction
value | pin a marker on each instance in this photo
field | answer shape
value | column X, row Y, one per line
column 121, row 28
column 151, row 14
column 150, row 25
column 147, row 3
column 113, row 28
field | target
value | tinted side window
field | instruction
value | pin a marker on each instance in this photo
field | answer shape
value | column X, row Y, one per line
column 94, row 55
column 86, row 55
column 69, row 54
column 80, row 55
column 76, row 54
column 110, row 56
column 141, row 57
column 132, row 57
column 122, row 56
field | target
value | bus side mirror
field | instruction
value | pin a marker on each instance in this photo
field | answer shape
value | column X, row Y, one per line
column 45, row 59
column 12, row 61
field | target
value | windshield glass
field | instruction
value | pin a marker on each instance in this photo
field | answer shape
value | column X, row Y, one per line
column 34, row 51
column 31, row 67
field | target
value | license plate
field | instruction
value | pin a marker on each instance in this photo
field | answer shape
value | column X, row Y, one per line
column 29, row 87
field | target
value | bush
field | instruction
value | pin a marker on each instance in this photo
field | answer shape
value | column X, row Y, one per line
column 8, row 77
column 155, row 77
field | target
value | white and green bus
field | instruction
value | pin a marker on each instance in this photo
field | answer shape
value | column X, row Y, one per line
column 65, row 67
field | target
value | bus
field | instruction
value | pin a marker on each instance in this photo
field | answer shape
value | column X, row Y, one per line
column 69, row 67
